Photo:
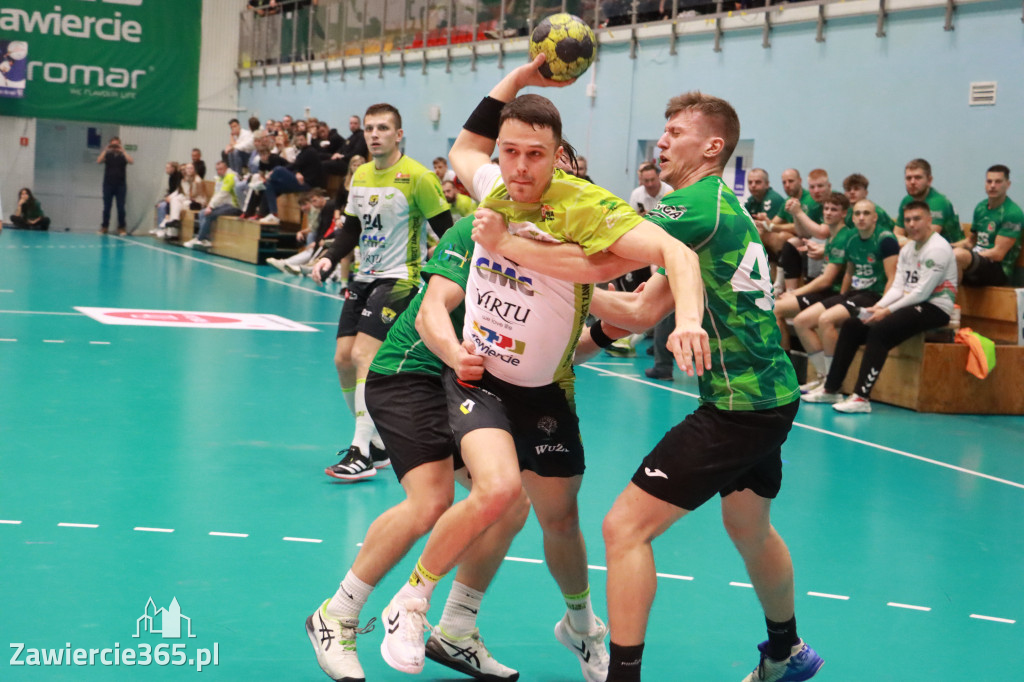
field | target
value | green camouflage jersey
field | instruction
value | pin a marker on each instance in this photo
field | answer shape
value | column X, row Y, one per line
column 812, row 208
column 1003, row 221
column 404, row 350
column 943, row 214
column 867, row 257
column 772, row 203
column 885, row 221
column 749, row 369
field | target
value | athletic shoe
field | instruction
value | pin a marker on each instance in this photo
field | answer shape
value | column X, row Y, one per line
column 270, row 219
column 354, row 465
column 102, row 230
column 173, row 232
column 468, row 655
column 654, row 373
column 121, row 232
column 191, row 243
column 405, row 620
column 811, row 385
column 159, row 233
column 155, row 230
column 379, row 456
column 624, row 347
column 589, row 648
column 853, row 405
column 205, row 243
column 820, row 395
column 334, row 642
column 802, row 664
column 276, row 263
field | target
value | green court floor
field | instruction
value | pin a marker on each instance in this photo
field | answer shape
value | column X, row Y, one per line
column 168, row 463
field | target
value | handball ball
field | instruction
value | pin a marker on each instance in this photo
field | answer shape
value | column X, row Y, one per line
column 567, row 42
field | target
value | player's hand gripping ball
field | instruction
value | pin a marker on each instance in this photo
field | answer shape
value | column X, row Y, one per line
column 567, row 42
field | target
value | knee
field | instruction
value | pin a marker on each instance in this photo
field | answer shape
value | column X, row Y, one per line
column 425, row 512
column 362, row 357
column 343, row 360
column 618, row 530
column 517, row 514
column 745, row 533
column 491, row 503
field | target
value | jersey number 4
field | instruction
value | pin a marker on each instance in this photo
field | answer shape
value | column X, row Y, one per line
column 754, row 275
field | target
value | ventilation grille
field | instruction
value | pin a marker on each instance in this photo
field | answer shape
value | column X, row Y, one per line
column 982, row 94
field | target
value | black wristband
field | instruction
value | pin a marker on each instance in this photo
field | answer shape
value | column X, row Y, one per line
column 599, row 337
column 484, row 119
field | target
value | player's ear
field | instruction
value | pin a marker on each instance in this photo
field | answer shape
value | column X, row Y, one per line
column 714, row 147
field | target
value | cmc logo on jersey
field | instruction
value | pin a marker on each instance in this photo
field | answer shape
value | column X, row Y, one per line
column 507, row 277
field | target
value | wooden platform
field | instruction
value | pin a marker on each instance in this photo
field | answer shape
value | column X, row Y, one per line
column 992, row 312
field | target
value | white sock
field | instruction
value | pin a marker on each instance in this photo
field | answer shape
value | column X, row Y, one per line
column 364, row 425
column 349, row 394
column 828, row 364
column 421, row 583
column 460, row 611
column 376, row 439
column 581, row 612
column 350, row 598
column 817, row 361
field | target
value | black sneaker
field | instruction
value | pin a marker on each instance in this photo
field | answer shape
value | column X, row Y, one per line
column 653, row 373
column 354, row 466
column 379, row 456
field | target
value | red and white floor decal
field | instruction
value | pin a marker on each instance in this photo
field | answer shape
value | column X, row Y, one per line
column 189, row 318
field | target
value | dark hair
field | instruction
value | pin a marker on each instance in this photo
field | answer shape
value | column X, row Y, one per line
column 922, row 164
column 535, row 111
column 999, row 168
column 647, row 166
column 254, row 123
column 196, row 149
column 760, row 170
column 917, row 204
column 31, row 197
column 315, row 192
column 717, row 110
column 854, row 180
column 839, row 199
column 384, row 108
column 234, row 120
column 442, row 160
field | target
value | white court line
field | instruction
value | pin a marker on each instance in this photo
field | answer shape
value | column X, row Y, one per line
column 9, row 522
column 53, row 340
column 742, row 585
column 37, row 312
column 79, row 525
column 851, row 439
column 228, row 535
column 674, row 577
column 898, row 605
column 6, row 291
column 826, row 595
column 522, row 560
column 611, row 364
column 99, row 343
column 993, row 619
column 313, row 540
column 9, row 340
column 153, row 530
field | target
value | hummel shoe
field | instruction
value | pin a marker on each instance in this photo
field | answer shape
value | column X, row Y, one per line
column 405, row 621
column 820, row 395
column 802, row 664
column 853, row 405
column 589, row 648
column 467, row 655
column 379, row 456
column 353, row 466
column 334, row 642
column 811, row 385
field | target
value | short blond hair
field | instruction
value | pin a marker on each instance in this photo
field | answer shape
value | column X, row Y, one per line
column 715, row 109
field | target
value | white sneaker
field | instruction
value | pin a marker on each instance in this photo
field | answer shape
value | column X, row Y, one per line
column 589, row 648
column 468, row 655
column 159, row 233
column 154, row 231
column 811, row 385
column 205, row 243
column 820, row 395
column 334, row 642
column 270, row 219
column 276, row 263
column 853, row 405
column 293, row 269
column 405, row 621
column 191, row 243
column 173, row 232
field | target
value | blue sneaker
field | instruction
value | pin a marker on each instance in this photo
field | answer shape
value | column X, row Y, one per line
column 802, row 664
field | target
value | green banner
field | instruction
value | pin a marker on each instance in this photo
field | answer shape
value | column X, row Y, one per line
column 132, row 62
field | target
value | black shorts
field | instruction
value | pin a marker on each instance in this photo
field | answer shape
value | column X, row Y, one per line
column 718, row 451
column 372, row 307
column 807, row 300
column 984, row 272
column 853, row 301
column 541, row 420
column 411, row 415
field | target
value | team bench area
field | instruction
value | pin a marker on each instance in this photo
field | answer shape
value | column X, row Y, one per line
column 248, row 240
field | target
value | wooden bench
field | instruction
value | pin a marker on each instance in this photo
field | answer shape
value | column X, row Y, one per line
column 249, row 241
column 991, row 311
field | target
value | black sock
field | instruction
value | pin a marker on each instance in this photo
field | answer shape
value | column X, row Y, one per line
column 625, row 663
column 781, row 638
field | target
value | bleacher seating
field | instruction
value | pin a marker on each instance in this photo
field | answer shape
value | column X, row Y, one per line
column 249, row 241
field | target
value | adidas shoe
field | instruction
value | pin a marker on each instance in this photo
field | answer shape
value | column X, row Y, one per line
column 354, row 465
column 811, row 385
column 853, row 405
column 589, row 648
column 468, row 655
column 820, row 395
column 334, row 642
column 405, row 620
column 802, row 664
column 379, row 456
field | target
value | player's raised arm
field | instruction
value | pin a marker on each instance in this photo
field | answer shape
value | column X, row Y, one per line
column 434, row 324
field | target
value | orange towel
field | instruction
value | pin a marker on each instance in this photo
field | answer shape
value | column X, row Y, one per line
column 981, row 355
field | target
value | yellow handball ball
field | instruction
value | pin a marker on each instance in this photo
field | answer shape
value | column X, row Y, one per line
column 568, row 43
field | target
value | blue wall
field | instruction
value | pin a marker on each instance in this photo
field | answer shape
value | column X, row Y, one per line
column 855, row 103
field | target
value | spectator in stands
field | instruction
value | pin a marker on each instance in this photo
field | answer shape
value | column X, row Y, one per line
column 328, row 142
column 222, row 203
column 198, row 163
column 355, row 145
column 987, row 256
column 651, row 189
column 442, row 171
column 855, row 187
column 300, row 129
column 341, row 198
column 240, row 148
column 780, row 229
column 191, row 196
column 115, row 182
column 810, row 232
column 461, row 204
column 163, row 207
column 921, row 298
column 764, row 202
column 251, row 198
column 301, row 176
column 313, row 202
column 29, row 214
column 870, row 259
column 918, row 179
column 287, row 124
column 581, row 168
column 284, row 148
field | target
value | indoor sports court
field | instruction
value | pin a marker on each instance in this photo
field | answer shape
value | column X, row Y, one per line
column 186, row 463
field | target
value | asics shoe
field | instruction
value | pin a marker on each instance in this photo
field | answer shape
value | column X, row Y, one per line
column 353, row 466
column 820, row 395
column 802, row 664
column 853, row 405
column 589, row 648
column 467, row 655
column 334, row 642
column 405, row 621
